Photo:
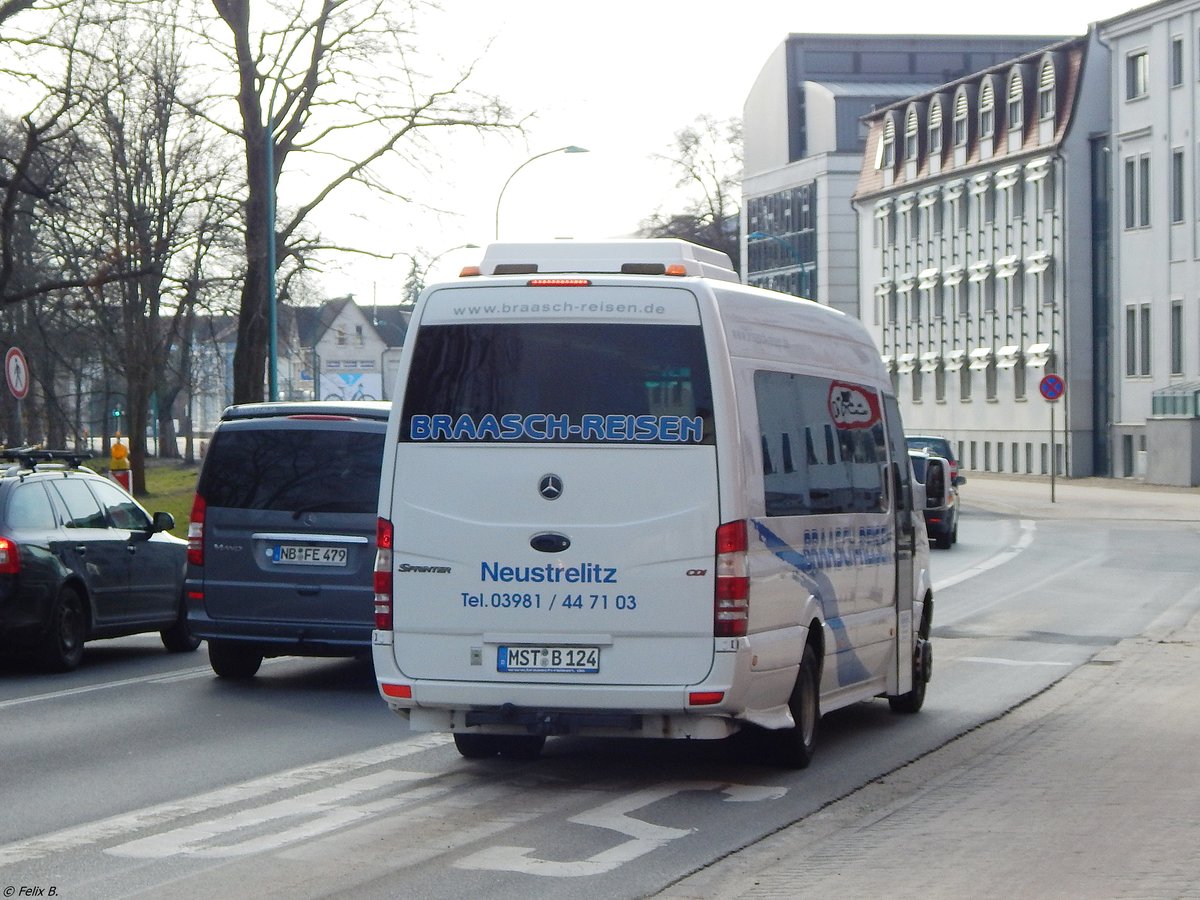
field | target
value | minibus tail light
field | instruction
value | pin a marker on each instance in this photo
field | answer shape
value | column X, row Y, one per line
column 732, row 584
column 383, row 574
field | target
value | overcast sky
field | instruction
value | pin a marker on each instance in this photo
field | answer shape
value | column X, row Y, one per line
column 620, row 78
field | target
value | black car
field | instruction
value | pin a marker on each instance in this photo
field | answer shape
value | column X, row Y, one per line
column 941, row 518
column 936, row 445
column 80, row 559
column 281, row 542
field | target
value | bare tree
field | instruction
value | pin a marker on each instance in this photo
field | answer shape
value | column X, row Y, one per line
column 52, row 67
column 147, row 182
column 707, row 156
column 335, row 80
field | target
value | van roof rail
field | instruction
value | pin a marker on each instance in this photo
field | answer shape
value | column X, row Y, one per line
column 653, row 256
column 358, row 409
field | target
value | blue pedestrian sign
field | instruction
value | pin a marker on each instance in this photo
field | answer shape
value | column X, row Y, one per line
column 1052, row 387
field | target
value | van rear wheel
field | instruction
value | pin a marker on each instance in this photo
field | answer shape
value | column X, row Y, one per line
column 794, row 746
column 233, row 661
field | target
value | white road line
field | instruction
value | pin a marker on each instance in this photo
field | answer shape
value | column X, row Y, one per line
column 164, row 814
column 644, row 836
column 1000, row 661
column 160, row 678
column 106, row 685
column 1024, row 540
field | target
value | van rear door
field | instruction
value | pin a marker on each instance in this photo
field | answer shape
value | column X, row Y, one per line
column 555, row 496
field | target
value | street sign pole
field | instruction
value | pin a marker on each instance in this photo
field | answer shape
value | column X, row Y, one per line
column 1052, row 387
column 1053, row 454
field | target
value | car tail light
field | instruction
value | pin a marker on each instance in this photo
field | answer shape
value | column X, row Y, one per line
column 383, row 574
column 195, row 532
column 732, row 591
column 10, row 557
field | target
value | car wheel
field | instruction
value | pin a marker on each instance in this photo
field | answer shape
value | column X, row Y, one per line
column 231, row 660
column 794, row 746
column 179, row 638
column 67, row 631
column 954, row 532
column 476, row 746
column 942, row 541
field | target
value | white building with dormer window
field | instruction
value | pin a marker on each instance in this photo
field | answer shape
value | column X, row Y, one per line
column 979, row 228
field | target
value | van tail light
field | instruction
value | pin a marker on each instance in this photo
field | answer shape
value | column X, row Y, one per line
column 732, row 592
column 383, row 574
column 195, row 532
column 10, row 557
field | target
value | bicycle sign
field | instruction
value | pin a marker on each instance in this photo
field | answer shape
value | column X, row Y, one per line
column 1052, row 387
column 351, row 386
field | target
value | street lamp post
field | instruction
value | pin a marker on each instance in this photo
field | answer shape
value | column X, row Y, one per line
column 571, row 148
column 273, row 321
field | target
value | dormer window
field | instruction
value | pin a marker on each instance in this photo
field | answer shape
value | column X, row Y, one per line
column 1046, row 104
column 987, row 111
column 960, row 120
column 889, row 144
column 1016, row 101
column 911, row 136
column 935, row 129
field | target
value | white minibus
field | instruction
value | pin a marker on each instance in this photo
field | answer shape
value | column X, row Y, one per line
column 624, row 495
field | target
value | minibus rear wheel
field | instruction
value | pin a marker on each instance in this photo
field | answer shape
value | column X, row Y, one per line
column 794, row 746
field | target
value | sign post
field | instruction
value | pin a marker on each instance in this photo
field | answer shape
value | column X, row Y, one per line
column 16, row 373
column 1052, row 387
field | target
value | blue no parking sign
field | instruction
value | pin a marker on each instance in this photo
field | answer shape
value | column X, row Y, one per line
column 1052, row 387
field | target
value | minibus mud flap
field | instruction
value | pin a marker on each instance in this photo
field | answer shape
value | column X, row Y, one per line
column 551, row 722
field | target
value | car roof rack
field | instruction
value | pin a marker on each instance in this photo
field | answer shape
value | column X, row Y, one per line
column 30, row 457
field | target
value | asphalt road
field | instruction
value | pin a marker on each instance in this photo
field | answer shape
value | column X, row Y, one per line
column 141, row 774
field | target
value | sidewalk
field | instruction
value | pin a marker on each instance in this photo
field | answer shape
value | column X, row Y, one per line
column 1090, row 789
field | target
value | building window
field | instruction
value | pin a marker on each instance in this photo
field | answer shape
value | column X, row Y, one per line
column 1046, row 105
column 1137, row 191
column 1177, row 186
column 1176, row 61
column 1177, row 338
column 987, row 112
column 935, row 128
column 1144, row 337
column 1144, row 191
column 960, row 120
column 1131, row 360
column 1016, row 102
column 911, row 142
column 1137, row 75
column 964, row 385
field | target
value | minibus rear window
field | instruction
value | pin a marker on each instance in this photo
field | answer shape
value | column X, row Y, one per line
column 562, row 382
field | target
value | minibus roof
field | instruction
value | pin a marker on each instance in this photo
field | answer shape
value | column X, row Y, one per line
column 661, row 256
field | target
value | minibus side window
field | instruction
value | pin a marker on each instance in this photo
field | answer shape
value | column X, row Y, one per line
column 844, row 446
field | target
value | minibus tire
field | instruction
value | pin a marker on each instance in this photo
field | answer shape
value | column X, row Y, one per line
column 476, row 746
column 794, row 747
column 913, row 701
column 520, row 746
